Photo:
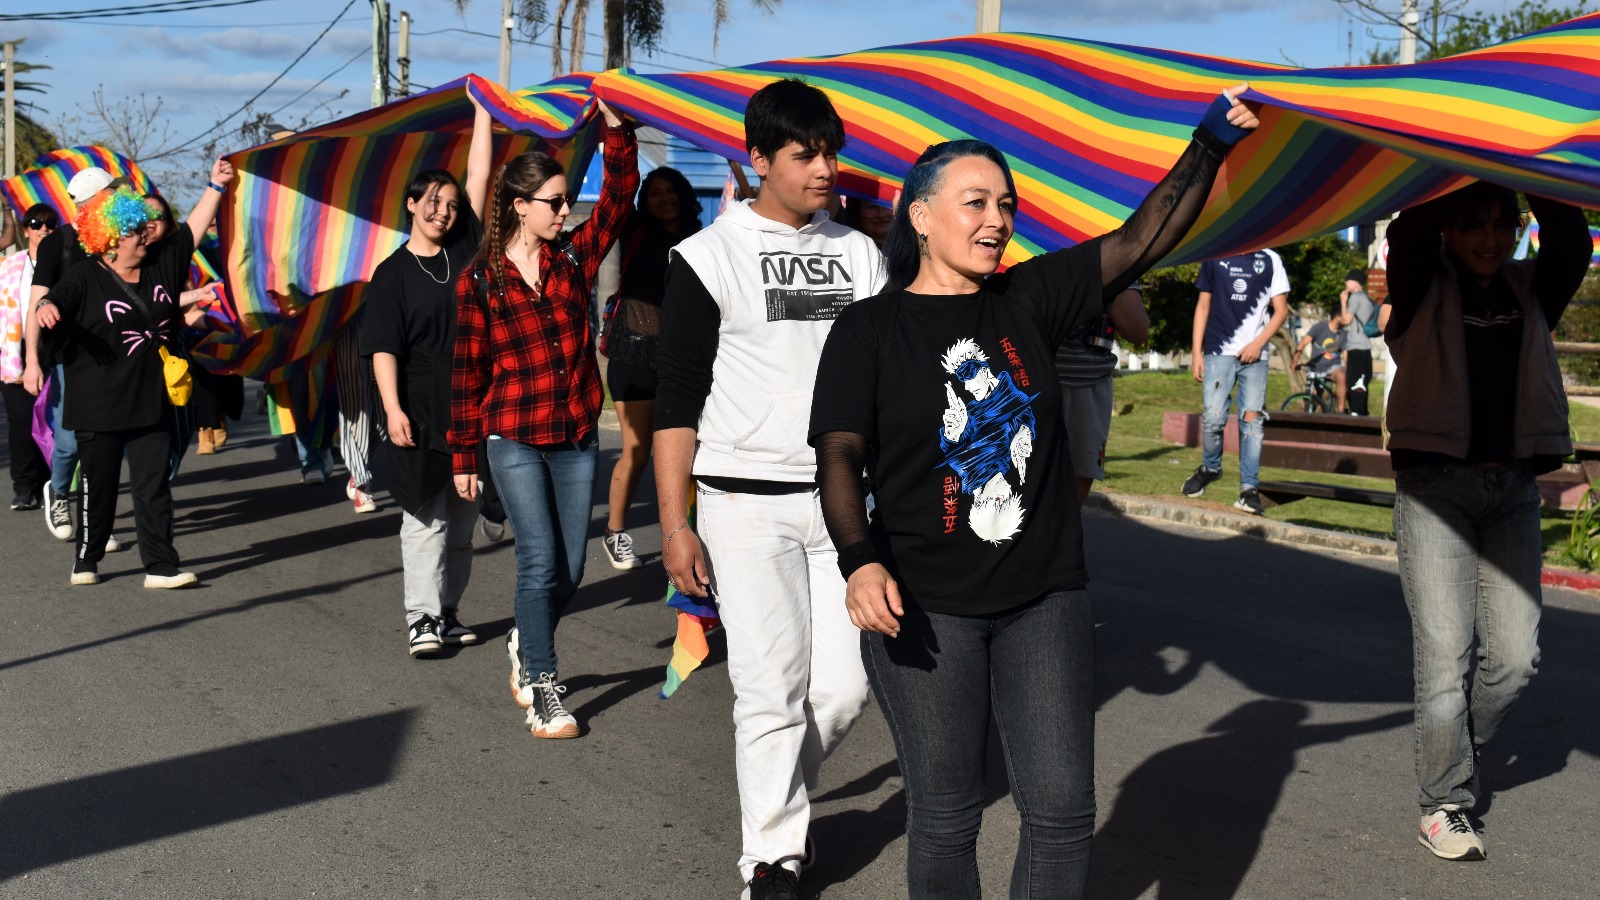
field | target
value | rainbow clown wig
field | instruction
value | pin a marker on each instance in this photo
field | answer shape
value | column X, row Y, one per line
column 108, row 218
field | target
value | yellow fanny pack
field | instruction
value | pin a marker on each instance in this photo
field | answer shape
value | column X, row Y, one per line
column 175, row 371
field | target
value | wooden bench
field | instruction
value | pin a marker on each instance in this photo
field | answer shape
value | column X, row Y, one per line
column 1327, row 443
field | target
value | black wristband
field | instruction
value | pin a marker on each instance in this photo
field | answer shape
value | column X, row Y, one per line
column 855, row 556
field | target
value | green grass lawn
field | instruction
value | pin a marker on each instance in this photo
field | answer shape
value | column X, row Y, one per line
column 1138, row 461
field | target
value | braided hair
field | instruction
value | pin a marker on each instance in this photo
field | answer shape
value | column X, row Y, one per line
column 520, row 178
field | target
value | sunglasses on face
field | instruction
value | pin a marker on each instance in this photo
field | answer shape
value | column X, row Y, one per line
column 36, row 224
column 557, row 203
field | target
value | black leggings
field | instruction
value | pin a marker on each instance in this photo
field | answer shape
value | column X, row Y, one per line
column 29, row 470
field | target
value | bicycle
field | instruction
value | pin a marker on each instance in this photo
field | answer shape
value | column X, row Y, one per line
column 1319, row 395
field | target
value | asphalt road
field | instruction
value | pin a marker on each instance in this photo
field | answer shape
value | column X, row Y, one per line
column 266, row 735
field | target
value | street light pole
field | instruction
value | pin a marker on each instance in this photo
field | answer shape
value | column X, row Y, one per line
column 988, row 16
column 380, row 52
column 506, row 24
column 1408, row 32
column 11, row 110
column 405, row 53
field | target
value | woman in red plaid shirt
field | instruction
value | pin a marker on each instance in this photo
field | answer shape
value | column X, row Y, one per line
column 525, row 378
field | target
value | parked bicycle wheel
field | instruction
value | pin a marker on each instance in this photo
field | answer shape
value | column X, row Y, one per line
column 1303, row 402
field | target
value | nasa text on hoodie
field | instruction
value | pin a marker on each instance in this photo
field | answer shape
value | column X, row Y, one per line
column 778, row 290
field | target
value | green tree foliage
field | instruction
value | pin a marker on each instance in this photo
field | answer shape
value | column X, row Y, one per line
column 1447, row 27
column 32, row 137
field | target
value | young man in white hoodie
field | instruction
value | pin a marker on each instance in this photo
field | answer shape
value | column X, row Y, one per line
column 749, row 302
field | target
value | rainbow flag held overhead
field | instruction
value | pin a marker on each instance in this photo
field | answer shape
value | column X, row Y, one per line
column 46, row 181
column 1089, row 128
column 310, row 216
column 1531, row 239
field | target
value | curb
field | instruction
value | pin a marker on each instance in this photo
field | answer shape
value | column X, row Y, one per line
column 1117, row 504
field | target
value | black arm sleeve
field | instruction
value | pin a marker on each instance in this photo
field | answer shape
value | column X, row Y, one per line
column 47, row 265
column 1161, row 220
column 840, row 458
column 690, row 321
column 1564, row 252
column 1413, row 238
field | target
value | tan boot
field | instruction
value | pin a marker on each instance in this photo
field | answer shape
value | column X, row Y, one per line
column 219, row 436
column 207, row 445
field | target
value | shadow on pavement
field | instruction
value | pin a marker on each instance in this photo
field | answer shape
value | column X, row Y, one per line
column 50, row 825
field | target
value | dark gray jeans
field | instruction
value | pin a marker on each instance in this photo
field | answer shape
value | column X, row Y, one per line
column 938, row 684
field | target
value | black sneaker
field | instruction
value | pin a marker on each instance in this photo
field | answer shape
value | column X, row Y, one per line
column 772, row 882
column 1250, row 501
column 58, row 514
column 425, row 636
column 451, row 631
column 27, row 498
column 1196, row 485
column 548, row 716
column 85, row 573
column 619, row 551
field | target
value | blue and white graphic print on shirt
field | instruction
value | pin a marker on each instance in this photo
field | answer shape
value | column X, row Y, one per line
column 1241, row 289
column 987, row 438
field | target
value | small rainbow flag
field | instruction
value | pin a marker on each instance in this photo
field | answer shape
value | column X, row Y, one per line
column 695, row 621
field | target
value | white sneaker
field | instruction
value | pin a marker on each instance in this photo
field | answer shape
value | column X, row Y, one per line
column 350, row 488
column 1450, row 836
column 364, row 502
column 619, row 551
column 521, row 684
column 162, row 582
column 112, row 544
column 548, row 717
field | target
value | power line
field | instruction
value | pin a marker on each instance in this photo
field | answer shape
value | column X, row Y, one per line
column 516, row 40
column 109, row 12
column 246, row 105
column 319, row 82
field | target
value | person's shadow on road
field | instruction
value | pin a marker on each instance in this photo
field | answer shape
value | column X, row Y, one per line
column 1189, row 820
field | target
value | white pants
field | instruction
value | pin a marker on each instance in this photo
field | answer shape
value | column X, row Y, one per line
column 436, row 552
column 793, row 656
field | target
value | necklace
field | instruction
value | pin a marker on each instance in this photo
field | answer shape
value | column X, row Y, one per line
column 435, row 279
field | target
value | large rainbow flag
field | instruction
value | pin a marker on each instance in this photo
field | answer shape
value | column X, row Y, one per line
column 1089, row 128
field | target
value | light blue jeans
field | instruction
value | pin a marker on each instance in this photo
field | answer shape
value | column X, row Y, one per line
column 1222, row 373
column 64, row 460
column 549, row 495
column 1470, row 556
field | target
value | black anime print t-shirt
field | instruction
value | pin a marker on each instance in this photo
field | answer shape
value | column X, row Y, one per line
column 975, row 504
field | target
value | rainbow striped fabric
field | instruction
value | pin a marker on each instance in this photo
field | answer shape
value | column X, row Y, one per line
column 1089, row 128
column 46, row 181
column 309, row 217
column 1594, row 236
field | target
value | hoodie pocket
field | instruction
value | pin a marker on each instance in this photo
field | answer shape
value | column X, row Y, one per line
column 780, row 431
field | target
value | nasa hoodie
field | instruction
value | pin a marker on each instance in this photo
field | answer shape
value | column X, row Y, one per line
column 749, row 303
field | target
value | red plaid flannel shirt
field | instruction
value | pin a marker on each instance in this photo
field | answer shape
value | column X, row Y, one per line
column 529, row 374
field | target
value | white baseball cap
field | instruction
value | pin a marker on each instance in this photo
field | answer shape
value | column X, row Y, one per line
column 87, row 183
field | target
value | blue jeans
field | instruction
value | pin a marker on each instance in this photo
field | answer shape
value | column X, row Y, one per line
column 64, row 460
column 548, row 495
column 938, row 683
column 1470, row 557
column 310, row 457
column 1222, row 373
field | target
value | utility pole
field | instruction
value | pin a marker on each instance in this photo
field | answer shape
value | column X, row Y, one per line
column 11, row 109
column 405, row 53
column 1408, row 32
column 380, row 52
column 616, row 26
column 506, row 24
column 988, row 16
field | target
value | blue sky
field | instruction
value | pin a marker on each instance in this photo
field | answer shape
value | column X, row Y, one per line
column 205, row 64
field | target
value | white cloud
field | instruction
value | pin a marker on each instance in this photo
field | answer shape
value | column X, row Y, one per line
column 233, row 43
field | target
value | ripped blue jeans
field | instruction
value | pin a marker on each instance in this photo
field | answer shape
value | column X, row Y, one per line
column 1222, row 374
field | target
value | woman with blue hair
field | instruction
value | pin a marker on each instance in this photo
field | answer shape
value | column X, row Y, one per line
column 968, row 579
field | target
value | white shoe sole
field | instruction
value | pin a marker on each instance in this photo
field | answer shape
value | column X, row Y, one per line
column 1472, row 854
column 426, row 649
column 113, row 545
column 559, row 733
column 634, row 563
column 82, row 578
column 461, row 641
column 167, row 582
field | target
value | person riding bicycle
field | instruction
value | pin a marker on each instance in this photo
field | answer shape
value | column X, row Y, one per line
column 1327, row 355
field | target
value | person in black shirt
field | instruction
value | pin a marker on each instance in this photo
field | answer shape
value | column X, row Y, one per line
column 1477, row 412
column 409, row 332
column 116, row 313
column 667, row 213
column 968, row 580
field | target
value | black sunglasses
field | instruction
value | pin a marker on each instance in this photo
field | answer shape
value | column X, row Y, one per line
column 37, row 223
column 557, row 203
